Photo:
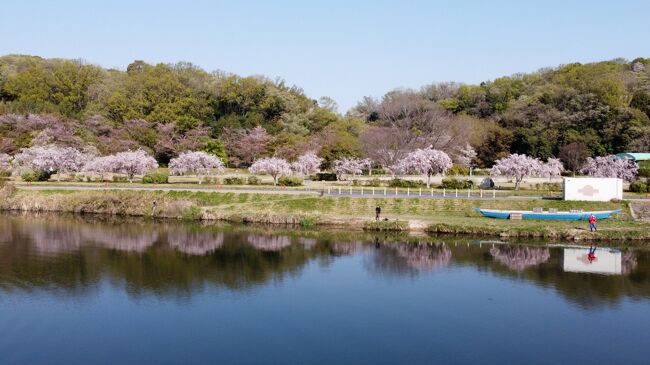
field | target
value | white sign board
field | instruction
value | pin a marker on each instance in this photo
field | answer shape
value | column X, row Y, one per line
column 603, row 261
column 593, row 188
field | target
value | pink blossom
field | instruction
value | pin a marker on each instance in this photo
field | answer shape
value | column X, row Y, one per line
column 5, row 165
column 611, row 166
column 133, row 163
column 101, row 165
column 466, row 156
column 273, row 166
column 427, row 162
column 307, row 164
column 552, row 168
column 344, row 166
column 198, row 163
column 517, row 166
column 51, row 159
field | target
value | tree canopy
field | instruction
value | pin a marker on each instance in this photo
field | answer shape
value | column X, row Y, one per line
column 167, row 109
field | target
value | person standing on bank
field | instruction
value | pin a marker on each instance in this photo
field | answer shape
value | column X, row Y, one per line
column 377, row 213
column 592, row 223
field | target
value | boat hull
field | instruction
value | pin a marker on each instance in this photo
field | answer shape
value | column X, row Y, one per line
column 560, row 216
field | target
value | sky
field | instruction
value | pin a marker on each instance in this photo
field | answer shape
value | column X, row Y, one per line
column 342, row 49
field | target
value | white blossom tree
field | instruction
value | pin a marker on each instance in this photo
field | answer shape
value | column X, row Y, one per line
column 198, row 163
column 347, row 166
column 133, row 163
column 552, row 168
column 307, row 164
column 273, row 166
column 517, row 167
column 466, row 156
column 427, row 162
column 611, row 166
column 5, row 163
column 101, row 165
column 51, row 159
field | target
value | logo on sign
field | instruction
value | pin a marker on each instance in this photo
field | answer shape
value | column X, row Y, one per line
column 588, row 190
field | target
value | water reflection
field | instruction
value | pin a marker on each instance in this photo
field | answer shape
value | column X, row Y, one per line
column 598, row 260
column 268, row 242
column 518, row 258
column 77, row 254
column 194, row 242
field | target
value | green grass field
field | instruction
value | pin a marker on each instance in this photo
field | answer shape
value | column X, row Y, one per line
column 455, row 216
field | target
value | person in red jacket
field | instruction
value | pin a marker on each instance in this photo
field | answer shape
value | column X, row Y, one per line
column 592, row 223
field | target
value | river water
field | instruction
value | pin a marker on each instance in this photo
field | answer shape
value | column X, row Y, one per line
column 79, row 290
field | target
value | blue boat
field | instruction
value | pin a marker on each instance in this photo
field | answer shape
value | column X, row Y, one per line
column 561, row 216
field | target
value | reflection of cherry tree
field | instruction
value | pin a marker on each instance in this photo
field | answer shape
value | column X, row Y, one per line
column 195, row 243
column 309, row 243
column 424, row 256
column 268, row 243
column 116, row 238
column 348, row 248
column 54, row 238
column 628, row 262
column 519, row 258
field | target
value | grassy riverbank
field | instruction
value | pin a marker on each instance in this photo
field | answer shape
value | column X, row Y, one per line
column 446, row 216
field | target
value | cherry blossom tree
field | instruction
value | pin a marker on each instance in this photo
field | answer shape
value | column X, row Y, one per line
column 307, row 164
column 347, row 166
column 517, row 167
column 552, row 168
column 427, row 162
column 611, row 166
column 466, row 156
column 51, row 159
column 133, row 163
column 5, row 162
column 101, row 165
column 273, row 166
column 198, row 163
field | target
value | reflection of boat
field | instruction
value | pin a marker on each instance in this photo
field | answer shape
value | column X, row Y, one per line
column 606, row 261
column 563, row 216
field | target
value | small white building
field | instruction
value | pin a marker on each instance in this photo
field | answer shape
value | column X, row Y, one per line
column 593, row 188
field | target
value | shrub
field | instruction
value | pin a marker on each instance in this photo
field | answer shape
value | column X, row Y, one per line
column 456, row 184
column 399, row 183
column 374, row 171
column 254, row 180
column 211, row 180
column 156, row 178
column 323, row 176
column 458, row 170
column 644, row 172
column 639, row 186
column 307, row 223
column 385, row 226
column 374, row 183
column 549, row 186
column 120, row 178
column 233, row 180
column 35, row 176
column 290, row 181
